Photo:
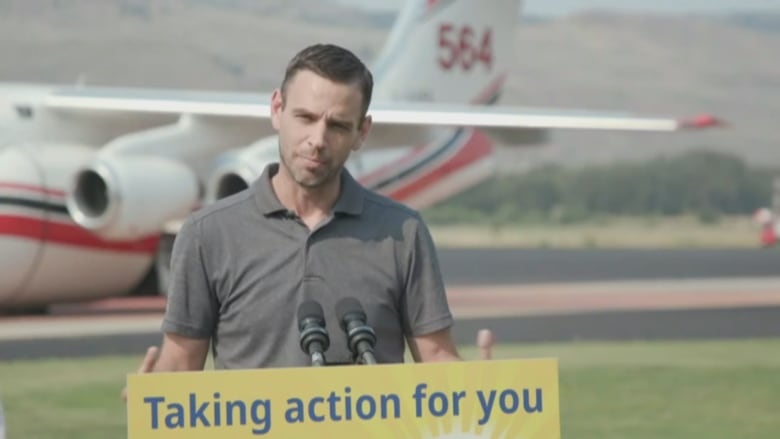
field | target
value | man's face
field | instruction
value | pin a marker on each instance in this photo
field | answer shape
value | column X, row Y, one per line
column 319, row 125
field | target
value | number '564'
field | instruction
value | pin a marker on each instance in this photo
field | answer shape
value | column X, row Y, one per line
column 462, row 46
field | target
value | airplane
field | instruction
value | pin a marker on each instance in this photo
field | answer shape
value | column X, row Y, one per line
column 95, row 180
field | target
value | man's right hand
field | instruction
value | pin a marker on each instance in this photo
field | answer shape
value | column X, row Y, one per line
column 147, row 365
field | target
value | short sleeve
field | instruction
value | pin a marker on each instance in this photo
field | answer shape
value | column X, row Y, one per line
column 192, row 307
column 424, row 300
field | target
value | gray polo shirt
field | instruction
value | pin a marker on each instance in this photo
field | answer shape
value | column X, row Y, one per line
column 243, row 265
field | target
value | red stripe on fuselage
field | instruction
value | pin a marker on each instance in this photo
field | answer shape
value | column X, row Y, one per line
column 478, row 146
column 31, row 188
column 70, row 234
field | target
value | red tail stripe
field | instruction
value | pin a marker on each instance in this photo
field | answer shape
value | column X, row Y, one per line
column 413, row 155
column 490, row 91
column 482, row 98
column 70, row 234
column 478, row 146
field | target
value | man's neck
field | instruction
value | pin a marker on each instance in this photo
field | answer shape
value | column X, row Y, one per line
column 312, row 205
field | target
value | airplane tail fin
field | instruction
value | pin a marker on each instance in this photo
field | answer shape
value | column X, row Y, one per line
column 451, row 51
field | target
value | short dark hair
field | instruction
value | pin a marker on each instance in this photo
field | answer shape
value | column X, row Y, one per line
column 335, row 63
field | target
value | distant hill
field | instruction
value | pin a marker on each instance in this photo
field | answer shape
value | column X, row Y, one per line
column 761, row 21
column 648, row 64
column 230, row 44
column 655, row 65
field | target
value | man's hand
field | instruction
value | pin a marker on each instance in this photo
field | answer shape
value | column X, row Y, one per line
column 435, row 346
column 485, row 342
column 147, row 365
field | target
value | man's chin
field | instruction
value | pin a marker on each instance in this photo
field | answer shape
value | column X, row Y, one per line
column 311, row 180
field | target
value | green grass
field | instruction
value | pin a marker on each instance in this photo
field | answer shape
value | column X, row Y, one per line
column 713, row 389
column 717, row 389
column 617, row 232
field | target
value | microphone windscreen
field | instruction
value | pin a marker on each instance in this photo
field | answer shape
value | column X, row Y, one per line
column 310, row 309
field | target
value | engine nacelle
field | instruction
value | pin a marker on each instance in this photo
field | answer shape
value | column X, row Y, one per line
column 45, row 257
column 236, row 170
column 128, row 196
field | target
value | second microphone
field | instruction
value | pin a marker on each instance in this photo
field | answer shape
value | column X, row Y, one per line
column 361, row 338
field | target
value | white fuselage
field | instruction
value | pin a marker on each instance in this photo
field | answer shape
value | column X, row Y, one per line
column 85, row 195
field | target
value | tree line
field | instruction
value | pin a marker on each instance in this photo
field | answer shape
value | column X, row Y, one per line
column 703, row 183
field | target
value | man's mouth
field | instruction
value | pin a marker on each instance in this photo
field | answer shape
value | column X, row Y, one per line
column 309, row 161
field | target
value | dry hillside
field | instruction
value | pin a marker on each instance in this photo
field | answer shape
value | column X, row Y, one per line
column 655, row 65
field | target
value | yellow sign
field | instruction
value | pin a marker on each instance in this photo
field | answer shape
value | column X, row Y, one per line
column 505, row 399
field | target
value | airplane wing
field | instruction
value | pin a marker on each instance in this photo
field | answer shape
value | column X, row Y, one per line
column 524, row 117
column 143, row 100
column 409, row 115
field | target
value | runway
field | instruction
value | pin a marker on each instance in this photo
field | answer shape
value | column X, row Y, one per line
column 530, row 266
column 522, row 295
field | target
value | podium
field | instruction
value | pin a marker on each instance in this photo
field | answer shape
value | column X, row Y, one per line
column 505, row 399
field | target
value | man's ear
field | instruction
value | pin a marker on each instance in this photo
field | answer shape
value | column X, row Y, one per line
column 277, row 105
column 365, row 128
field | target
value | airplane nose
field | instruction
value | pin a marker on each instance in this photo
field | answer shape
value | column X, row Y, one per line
column 23, row 211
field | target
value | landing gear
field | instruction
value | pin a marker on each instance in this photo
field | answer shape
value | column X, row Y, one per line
column 162, row 263
column 157, row 279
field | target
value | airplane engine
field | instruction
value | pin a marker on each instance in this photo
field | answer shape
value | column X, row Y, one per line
column 46, row 257
column 121, row 197
column 236, row 170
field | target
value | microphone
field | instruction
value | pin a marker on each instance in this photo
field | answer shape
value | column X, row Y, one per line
column 360, row 337
column 314, row 338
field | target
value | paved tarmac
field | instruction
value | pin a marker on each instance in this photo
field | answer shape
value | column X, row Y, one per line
column 751, row 322
column 522, row 295
column 524, row 266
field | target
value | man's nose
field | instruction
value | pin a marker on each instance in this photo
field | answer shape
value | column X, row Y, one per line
column 318, row 135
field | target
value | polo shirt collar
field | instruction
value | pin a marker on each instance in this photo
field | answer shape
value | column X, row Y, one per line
column 350, row 199
column 349, row 202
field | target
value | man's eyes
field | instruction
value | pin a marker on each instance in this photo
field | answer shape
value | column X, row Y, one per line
column 308, row 118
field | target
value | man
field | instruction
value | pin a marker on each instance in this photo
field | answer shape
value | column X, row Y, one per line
column 304, row 230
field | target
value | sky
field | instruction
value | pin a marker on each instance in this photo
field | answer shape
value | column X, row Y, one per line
column 562, row 7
